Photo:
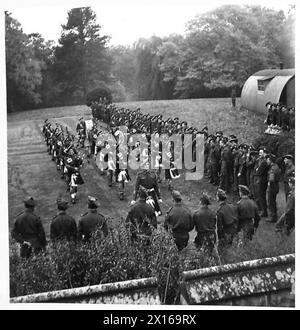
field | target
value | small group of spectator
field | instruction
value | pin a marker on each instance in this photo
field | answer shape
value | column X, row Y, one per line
column 29, row 232
column 280, row 117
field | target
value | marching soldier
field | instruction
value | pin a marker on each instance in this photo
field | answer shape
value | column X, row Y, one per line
column 92, row 137
column 63, row 226
column 273, row 186
column 28, row 230
column 148, row 180
column 81, row 130
column 248, row 217
column 261, row 169
column 179, row 220
column 204, row 220
column 141, row 216
column 91, row 221
column 227, row 219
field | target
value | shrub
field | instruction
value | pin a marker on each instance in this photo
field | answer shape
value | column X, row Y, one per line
column 102, row 260
column 118, row 257
column 95, row 94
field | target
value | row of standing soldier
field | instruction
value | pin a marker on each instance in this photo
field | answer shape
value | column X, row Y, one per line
column 29, row 232
column 227, row 164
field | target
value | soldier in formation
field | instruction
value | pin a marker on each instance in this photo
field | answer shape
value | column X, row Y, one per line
column 63, row 226
column 227, row 163
column 91, row 221
column 28, row 230
column 179, row 221
column 248, row 216
column 141, row 216
column 287, row 220
column 205, row 223
column 61, row 145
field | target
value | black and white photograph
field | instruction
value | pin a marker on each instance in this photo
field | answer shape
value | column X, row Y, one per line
column 149, row 148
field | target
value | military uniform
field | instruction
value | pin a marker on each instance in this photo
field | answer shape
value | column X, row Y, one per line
column 28, row 228
column 148, row 180
column 141, row 218
column 250, row 164
column 248, row 217
column 226, row 168
column 91, row 221
column 227, row 222
column 179, row 219
column 289, row 171
column 214, row 160
column 204, row 220
column 63, row 226
column 288, row 217
column 273, row 189
column 261, row 183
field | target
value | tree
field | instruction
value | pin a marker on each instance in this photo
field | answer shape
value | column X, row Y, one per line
column 230, row 43
column 123, row 71
column 81, row 59
column 23, row 68
column 44, row 52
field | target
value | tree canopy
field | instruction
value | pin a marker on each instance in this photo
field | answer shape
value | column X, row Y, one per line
column 219, row 50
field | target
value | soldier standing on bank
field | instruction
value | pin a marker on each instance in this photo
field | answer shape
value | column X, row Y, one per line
column 273, row 186
column 141, row 216
column 248, row 217
column 213, row 160
column 226, row 166
column 28, row 230
column 227, row 220
column 261, row 169
column 179, row 220
column 233, row 96
column 204, row 220
column 289, row 171
column 287, row 220
column 91, row 221
column 63, row 226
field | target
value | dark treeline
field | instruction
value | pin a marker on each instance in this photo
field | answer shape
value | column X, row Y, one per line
column 219, row 50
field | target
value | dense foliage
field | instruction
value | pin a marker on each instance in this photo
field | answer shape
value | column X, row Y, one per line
column 98, row 93
column 119, row 258
column 218, row 51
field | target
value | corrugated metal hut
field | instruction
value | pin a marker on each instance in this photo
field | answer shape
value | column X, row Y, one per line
column 274, row 85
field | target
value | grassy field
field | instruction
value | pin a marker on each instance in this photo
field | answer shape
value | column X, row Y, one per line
column 31, row 171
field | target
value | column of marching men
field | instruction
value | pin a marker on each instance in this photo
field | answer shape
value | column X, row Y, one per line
column 232, row 167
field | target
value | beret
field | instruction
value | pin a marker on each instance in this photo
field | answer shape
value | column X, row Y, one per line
column 204, row 198
column 62, row 204
column 92, row 202
column 221, row 193
column 289, row 157
column 244, row 189
column 29, row 202
column 176, row 195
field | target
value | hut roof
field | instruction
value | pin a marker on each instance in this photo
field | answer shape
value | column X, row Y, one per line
column 270, row 73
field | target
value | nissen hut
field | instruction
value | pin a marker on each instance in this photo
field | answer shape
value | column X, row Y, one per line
column 274, row 85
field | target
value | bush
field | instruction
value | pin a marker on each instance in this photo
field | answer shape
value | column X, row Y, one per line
column 119, row 258
column 103, row 260
column 95, row 94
